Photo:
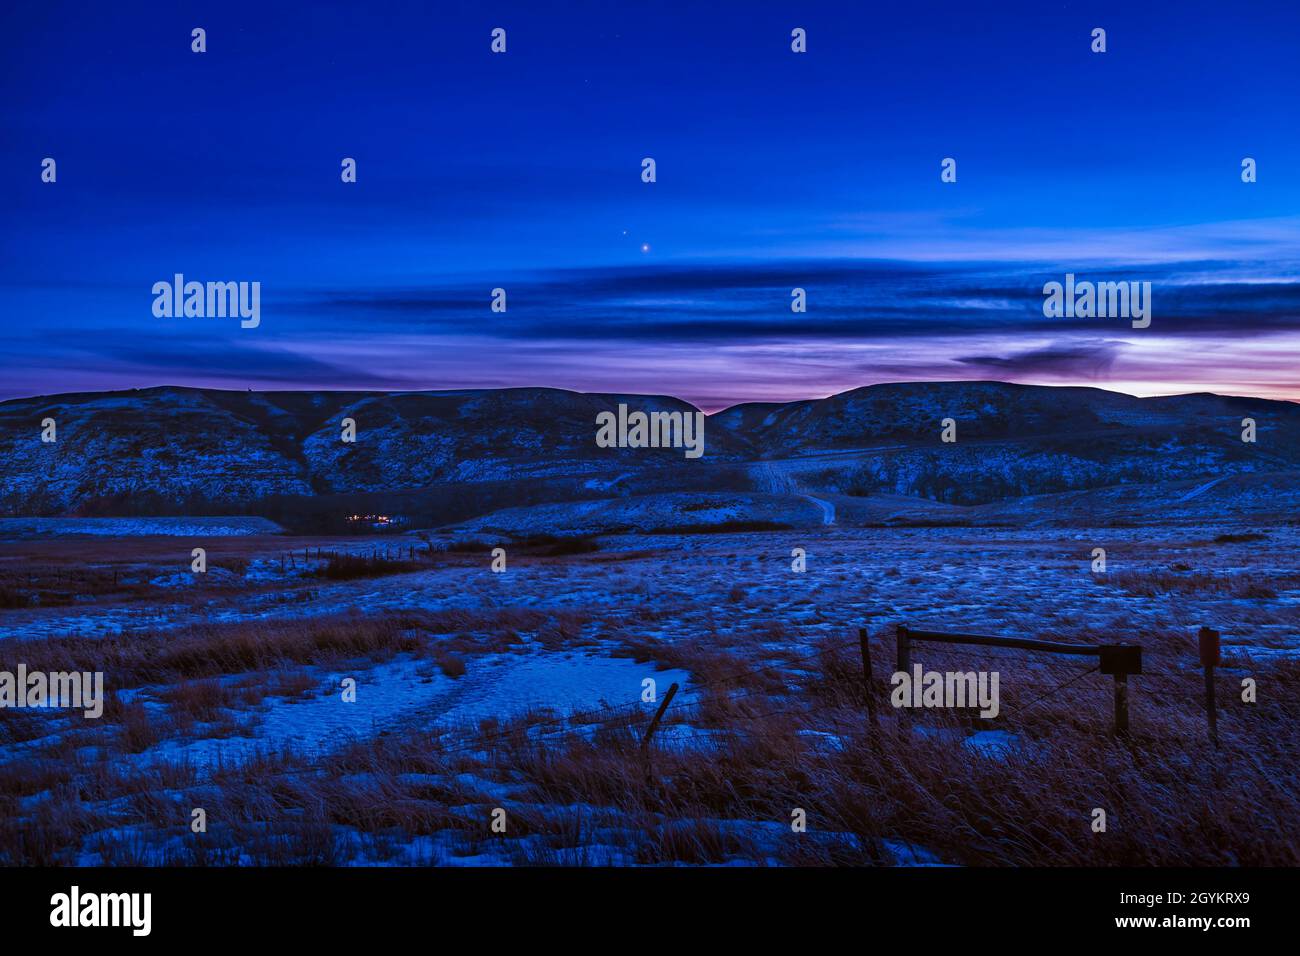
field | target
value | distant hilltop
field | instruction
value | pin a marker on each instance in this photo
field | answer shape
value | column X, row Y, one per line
column 172, row 450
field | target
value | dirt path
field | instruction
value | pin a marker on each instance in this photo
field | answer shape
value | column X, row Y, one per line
column 828, row 509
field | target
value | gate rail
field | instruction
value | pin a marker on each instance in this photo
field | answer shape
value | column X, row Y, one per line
column 1118, row 660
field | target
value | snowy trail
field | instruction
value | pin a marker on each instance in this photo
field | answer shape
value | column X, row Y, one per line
column 768, row 477
column 778, row 480
column 828, row 509
column 1201, row 489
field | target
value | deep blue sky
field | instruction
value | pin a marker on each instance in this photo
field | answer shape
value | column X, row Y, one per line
column 774, row 169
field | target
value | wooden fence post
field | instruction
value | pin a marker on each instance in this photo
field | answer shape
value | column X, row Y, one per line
column 1121, row 705
column 1209, row 648
column 654, row 722
column 866, row 676
column 1120, row 660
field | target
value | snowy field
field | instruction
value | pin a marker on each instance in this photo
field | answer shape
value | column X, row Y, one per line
column 477, row 690
column 36, row 528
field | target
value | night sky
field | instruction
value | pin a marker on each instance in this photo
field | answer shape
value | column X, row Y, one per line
column 775, row 170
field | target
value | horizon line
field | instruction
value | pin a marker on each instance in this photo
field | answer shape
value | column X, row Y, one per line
column 552, row 388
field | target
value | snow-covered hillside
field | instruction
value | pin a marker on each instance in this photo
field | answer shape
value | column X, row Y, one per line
column 176, row 450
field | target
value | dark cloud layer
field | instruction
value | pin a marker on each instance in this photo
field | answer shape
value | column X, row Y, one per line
column 743, row 302
column 1077, row 360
